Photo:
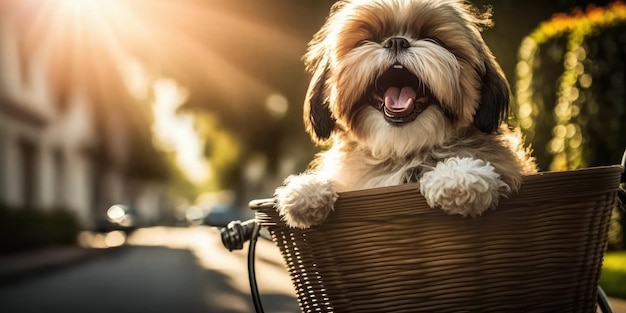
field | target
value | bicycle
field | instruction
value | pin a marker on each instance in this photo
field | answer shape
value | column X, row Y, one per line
column 332, row 264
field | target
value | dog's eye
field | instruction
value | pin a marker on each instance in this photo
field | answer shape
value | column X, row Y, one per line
column 432, row 40
column 362, row 43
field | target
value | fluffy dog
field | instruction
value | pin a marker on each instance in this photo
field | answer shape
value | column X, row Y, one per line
column 405, row 91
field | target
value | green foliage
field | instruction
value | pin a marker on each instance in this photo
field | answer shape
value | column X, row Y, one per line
column 223, row 150
column 180, row 183
column 26, row 228
column 616, row 231
column 613, row 275
column 570, row 100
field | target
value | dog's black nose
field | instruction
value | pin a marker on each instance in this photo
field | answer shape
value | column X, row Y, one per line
column 396, row 44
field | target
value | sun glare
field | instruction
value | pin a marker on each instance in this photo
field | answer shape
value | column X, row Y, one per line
column 105, row 46
column 76, row 4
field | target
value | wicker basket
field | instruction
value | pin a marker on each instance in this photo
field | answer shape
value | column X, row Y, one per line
column 385, row 250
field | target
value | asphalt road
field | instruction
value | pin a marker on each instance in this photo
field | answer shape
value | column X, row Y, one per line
column 159, row 270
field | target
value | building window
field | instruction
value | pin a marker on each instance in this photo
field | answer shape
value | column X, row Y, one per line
column 3, row 169
column 60, row 177
column 27, row 150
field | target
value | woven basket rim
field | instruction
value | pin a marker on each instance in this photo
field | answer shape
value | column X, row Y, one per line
column 526, row 179
column 411, row 188
column 537, row 188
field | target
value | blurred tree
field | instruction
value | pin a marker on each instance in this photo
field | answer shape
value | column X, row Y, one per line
column 241, row 64
column 570, row 97
column 514, row 19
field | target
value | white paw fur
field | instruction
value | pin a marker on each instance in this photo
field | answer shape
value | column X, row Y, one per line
column 305, row 200
column 464, row 186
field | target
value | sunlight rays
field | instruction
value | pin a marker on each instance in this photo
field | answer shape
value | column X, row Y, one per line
column 208, row 47
column 212, row 45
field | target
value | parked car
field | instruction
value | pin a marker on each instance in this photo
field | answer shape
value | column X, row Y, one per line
column 118, row 217
column 220, row 215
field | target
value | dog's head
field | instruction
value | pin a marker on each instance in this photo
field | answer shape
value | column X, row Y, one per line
column 402, row 75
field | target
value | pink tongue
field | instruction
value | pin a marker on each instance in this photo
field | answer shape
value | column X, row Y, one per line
column 399, row 102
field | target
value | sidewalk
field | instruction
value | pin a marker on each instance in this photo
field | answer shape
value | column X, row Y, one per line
column 17, row 265
column 618, row 305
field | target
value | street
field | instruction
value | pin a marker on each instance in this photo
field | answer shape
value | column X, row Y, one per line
column 160, row 269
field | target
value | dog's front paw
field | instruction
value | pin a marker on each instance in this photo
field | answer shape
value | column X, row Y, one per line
column 464, row 186
column 305, row 200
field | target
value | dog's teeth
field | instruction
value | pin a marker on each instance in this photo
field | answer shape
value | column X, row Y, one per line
column 398, row 66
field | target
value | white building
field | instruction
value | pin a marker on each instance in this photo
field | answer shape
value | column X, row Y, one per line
column 49, row 154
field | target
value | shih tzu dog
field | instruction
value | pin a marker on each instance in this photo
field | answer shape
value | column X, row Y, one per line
column 406, row 91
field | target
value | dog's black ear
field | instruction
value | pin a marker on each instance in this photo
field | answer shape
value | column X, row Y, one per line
column 494, row 102
column 318, row 119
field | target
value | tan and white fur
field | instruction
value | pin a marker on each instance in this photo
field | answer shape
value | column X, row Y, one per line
column 406, row 91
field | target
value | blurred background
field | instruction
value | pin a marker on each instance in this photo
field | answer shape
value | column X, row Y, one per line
column 126, row 124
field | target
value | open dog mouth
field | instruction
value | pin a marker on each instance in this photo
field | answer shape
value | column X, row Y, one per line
column 399, row 95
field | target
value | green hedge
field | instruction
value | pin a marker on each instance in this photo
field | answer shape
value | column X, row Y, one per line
column 613, row 276
column 23, row 229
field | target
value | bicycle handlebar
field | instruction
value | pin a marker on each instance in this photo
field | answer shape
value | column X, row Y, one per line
column 236, row 233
